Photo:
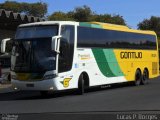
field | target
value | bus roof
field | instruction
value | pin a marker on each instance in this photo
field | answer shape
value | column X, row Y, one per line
column 48, row 23
column 92, row 25
column 115, row 27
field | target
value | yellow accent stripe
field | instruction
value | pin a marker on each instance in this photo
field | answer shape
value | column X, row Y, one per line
column 122, row 28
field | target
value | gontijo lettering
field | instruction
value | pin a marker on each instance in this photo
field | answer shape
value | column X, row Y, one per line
column 130, row 55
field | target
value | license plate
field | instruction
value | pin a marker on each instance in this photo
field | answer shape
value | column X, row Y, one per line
column 30, row 85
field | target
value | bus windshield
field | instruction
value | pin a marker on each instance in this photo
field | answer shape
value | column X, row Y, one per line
column 32, row 52
column 36, row 32
column 33, row 55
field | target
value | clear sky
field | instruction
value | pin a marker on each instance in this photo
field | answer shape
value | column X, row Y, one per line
column 133, row 11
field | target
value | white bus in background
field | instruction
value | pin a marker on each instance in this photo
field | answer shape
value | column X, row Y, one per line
column 61, row 55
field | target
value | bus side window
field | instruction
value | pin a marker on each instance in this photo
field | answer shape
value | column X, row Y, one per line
column 66, row 48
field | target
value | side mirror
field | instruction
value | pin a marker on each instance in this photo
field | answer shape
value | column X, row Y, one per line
column 55, row 43
column 3, row 45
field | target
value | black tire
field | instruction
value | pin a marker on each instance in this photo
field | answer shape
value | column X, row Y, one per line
column 44, row 93
column 81, row 85
column 138, row 78
column 145, row 77
column 9, row 78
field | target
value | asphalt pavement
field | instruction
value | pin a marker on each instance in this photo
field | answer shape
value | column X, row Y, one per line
column 115, row 99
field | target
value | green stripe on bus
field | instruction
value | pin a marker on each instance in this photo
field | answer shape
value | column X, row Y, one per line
column 113, row 64
column 102, row 63
column 107, row 62
column 85, row 24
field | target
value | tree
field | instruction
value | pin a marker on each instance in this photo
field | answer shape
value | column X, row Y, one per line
column 38, row 9
column 85, row 14
column 60, row 16
column 107, row 18
column 11, row 6
column 151, row 24
column 82, row 14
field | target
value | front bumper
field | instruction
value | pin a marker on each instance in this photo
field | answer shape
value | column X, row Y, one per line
column 36, row 85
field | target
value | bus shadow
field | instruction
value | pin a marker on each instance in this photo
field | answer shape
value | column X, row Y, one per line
column 33, row 95
column 110, row 87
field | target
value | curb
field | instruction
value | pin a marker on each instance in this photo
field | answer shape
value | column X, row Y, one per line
column 6, row 89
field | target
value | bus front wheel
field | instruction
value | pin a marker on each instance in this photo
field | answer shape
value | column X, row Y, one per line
column 81, row 85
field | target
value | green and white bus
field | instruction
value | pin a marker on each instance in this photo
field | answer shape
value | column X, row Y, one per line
column 62, row 55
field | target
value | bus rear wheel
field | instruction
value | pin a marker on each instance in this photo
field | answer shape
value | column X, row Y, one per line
column 145, row 77
column 138, row 78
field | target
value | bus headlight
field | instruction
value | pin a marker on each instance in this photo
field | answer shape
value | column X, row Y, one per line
column 50, row 76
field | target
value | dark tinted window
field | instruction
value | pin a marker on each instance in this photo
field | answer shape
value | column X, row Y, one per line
column 66, row 48
column 37, row 32
column 94, row 37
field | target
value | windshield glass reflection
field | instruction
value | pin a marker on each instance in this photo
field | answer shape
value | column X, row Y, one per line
column 33, row 55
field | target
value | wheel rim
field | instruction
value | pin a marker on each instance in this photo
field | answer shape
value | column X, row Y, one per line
column 138, row 79
column 145, row 76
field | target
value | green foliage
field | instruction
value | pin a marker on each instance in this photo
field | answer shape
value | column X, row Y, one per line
column 85, row 14
column 38, row 9
column 60, row 16
column 11, row 6
column 151, row 24
column 107, row 18
column 80, row 14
